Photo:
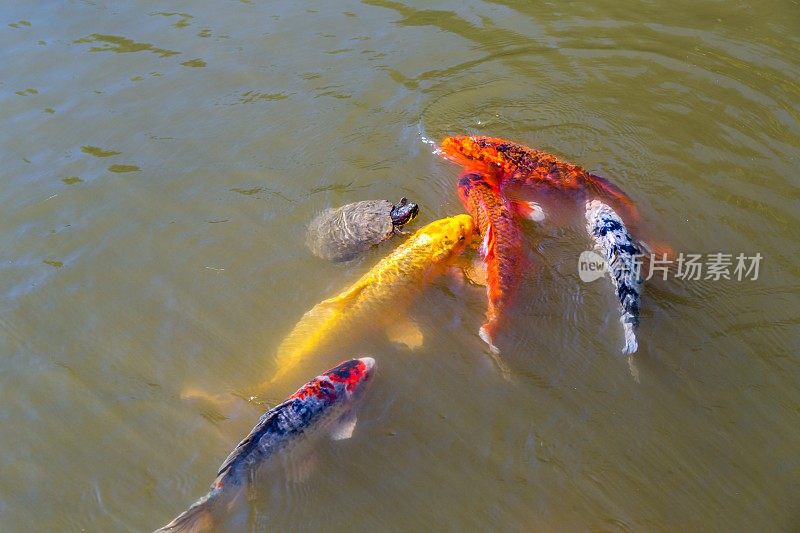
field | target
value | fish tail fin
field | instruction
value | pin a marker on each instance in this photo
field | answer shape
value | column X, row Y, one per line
column 631, row 345
column 617, row 196
column 196, row 518
column 659, row 249
column 486, row 336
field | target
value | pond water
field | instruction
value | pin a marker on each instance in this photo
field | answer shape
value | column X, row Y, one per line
column 161, row 162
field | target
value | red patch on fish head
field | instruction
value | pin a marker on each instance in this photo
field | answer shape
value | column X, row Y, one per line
column 316, row 388
column 350, row 373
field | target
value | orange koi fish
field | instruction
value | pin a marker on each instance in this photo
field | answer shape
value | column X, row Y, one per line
column 501, row 247
column 515, row 165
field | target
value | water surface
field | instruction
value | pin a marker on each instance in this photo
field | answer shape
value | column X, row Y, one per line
column 160, row 162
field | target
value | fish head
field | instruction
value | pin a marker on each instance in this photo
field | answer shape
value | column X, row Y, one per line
column 445, row 238
column 488, row 154
column 351, row 377
column 326, row 404
column 343, row 383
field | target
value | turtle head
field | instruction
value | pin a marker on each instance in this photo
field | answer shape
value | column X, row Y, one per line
column 404, row 212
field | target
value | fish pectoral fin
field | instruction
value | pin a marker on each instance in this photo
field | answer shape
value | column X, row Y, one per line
column 344, row 298
column 475, row 272
column 343, row 429
column 455, row 279
column 659, row 249
column 300, row 469
column 616, row 196
column 251, row 485
column 526, row 209
column 405, row 332
column 471, row 269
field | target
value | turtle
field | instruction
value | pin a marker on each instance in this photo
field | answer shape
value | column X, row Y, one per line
column 341, row 234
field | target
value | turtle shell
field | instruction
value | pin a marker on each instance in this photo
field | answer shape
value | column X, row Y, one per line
column 342, row 233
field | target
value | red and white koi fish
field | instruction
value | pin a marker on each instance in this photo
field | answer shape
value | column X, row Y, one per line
column 322, row 406
column 501, row 248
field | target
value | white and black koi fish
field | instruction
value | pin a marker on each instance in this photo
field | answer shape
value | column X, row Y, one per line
column 323, row 405
column 620, row 250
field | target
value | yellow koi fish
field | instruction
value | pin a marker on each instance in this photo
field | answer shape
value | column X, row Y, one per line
column 382, row 295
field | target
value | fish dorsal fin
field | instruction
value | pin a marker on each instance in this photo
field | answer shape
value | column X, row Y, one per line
column 405, row 332
column 251, row 440
column 343, row 428
column 316, row 320
column 348, row 295
column 313, row 329
column 611, row 193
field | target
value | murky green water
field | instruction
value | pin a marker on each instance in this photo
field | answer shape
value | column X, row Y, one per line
column 161, row 160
